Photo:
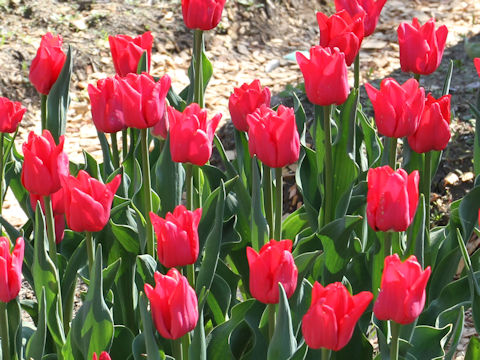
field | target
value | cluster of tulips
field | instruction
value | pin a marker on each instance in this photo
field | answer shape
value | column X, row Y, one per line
column 200, row 260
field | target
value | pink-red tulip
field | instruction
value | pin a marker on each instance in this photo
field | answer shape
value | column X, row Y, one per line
column 11, row 113
column 333, row 313
column 433, row 132
column 106, row 105
column 47, row 64
column 191, row 134
column 127, row 51
column 58, row 208
column 202, row 14
column 325, row 75
column 402, row 290
column 177, row 236
column 273, row 136
column 173, row 303
column 369, row 8
column 421, row 47
column 398, row 108
column 392, row 198
column 103, row 356
column 476, row 62
column 88, row 201
column 272, row 265
column 343, row 32
column 44, row 163
column 245, row 100
column 10, row 269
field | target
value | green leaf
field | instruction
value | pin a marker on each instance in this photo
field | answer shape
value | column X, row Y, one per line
column 468, row 212
column 358, row 345
column 416, row 233
column 36, row 344
column 198, row 347
column 448, row 79
column 146, row 266
column 127, row 237
column 457, row 318
column 294, row 223
column 107, row 159
column 473, row 349
column 15, row 328
column 122, row 343
column 259, row 227
column 427, row 342
column 300, row 117
column 218, row 299
column 142, row 65
column 148, row 330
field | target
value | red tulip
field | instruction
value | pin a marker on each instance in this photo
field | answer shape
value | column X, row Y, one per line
column 106, row 104
column 202, row 14
column 476, row 62
column 177, row 236
column 11, row 113
column 273, row 136
column 245, row 100
column 398, row 108
column 325, row 74
column 173, row 303
column 343, row 32
column 10, row 269
column 103, row 356
column 127, row 51
column 392, row 198
column 421, row 47
column 272, row 265
column 88, row 201
column 58, row 208
column 402, row 290
column 433, row 132
column 43, row 164
column 369, row 8
column 47, row 64
column 191, row 134
column 144, row 100
column 333, row 313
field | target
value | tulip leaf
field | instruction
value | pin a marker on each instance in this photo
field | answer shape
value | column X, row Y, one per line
column 448, row 79
column 473, row 349
column 358, row 345
column 127, row 237
column 146, row 266
column 58, row 100
column 107, row 158
column 259, row 228
column 36, row 344
column 198, row 347
column 457, row 318
column 148, row 330
column 243, row 160
column 300, row 117
column 300, row 353
column 468, row 212
column 294, row 223
column 69, row 279
column 218, row 299
column 142, row 65
column 427, row 342
column 300, row 302
column 122, row 343
column 416, row 233
column 476, row 144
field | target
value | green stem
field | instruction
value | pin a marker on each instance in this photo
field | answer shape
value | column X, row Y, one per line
column 90, row 251
column 267, row 189
column 177, row 349
column 356, row 71
column 392, row 152
column 328, row 178
column 191, row 275
column 197, row 200
column 189, row 185
column 124, row 144
column 395, row 329
column 387, row 243
column 147, row 188
column 44, row 112
column 68, row 310
column 326, row 353
column 185, row 345
column 50, row 229
column 417, row 77
column 197, row 54
column 4, row 331
column 271, row 320
column 115, row 154
column 278, row 204
column 2, row 174
column 427, row 179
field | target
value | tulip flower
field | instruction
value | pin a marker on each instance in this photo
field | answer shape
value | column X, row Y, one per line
column 177, row 236
column 191, row 134
column 333, row 313
column 402, row 290
column 245, row 100
column 392, row 198
column 173, row 303
column 370, row 9
column 127, row 51
column 88, row 201
column 273, row 136
column 272, row 265
column 433, row 132
column 397, row 108
column 103, row 356
column 44, row 163
column 421, row 47
column 202, row 14
column 11, row 113
column 325, row 74
column 343, row 32
column 106, row 104
column 10, row 269
column 47, row 64
column 476, row 62
column 58, row 208
column 144, row 100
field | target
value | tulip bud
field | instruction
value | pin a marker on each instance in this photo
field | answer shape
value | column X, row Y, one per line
column 370, row 9
column 103, row 356
column 325, row 74
column 245, row 100
column 476, row 62
column 88, row 201
column 127, row 51
column 173, row 303
column 333, row 313
column 11, row 113
column 10, row 269
column 58, row 208
column 177, row 236
column 402, row 290
column 272, row 265
column 202, row 14
column 421, row 47
column 273, row 136
column 47, row 64
column 43, row 164
column 398, row 108
column 392, row 198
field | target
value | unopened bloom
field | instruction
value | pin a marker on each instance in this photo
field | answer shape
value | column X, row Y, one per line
column 202, row 14
column 392, row 198
column 402, row 290
column 103, row 356
column 106, row 105
column 476, row 62
column 11, row 113
column 10, row 269
column 127, row 51
column 369, row 8
column 333, row 313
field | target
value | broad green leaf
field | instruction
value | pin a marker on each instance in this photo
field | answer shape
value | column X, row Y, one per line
column 122, row 343
column 148, row 330
column 473, row 349
column 427, row 342
column 259, row 227
column 198, row 347
column 36, row 344
column 457, row 318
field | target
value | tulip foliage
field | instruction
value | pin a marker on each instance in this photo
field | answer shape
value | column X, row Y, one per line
column 183, row 258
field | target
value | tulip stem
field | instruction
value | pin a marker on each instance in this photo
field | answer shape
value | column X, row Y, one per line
column 115, row 155
column 189, row 185
column 417, row 77
column 387, row 243
column 43, row 111
column 197, row 56
column 124, row 144
column 395, row 330
column 328, row 170
column 185, row 345
column 278, row 204
column 392, row 152
column 50, row 229
column 147, row 188
column 267, row 188
column 4, row 331
column 427, row 179
column 326, row 353
column 90, row 251
column 356, row 71
column 177, row 349
column 271, row 320
column 191, row 274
